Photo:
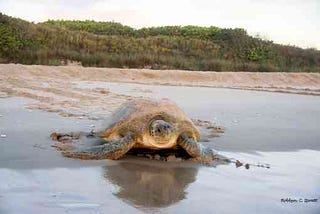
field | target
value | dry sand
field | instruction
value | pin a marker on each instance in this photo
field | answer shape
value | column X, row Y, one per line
column 55, row 88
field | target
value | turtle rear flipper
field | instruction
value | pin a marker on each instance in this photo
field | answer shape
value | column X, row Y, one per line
column 108, row 150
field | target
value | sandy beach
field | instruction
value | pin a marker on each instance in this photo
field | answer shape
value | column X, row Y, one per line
column 261, row 127
column 55, row 87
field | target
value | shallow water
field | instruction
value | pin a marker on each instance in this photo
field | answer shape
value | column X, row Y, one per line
column 261, row 127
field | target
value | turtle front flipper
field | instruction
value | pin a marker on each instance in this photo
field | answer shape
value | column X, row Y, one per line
column 108, row 150
column 195, row 149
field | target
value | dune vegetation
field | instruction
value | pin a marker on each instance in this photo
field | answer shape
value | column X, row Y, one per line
column 110, row 44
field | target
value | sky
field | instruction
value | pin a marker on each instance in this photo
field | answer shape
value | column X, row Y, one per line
column 293, row 22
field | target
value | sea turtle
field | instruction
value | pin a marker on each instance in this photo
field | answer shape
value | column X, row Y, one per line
column 141, row 123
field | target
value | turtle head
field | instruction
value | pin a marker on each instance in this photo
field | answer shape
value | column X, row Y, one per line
column 162, row 132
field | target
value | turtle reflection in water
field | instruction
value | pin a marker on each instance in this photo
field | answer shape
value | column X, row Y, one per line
column 150, row 186
column 138, row 124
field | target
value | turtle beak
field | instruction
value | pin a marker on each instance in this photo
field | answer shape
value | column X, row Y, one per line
column 160, row 128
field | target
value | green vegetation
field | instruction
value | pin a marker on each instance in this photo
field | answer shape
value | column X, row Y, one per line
column 110, row 44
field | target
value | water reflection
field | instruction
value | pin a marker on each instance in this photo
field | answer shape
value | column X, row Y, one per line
column 150, row 186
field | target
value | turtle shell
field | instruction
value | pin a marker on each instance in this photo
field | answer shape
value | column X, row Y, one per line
column 136, row 115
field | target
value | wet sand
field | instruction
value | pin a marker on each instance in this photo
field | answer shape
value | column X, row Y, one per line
column 261, row 127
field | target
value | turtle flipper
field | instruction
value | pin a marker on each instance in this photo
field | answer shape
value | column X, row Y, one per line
column 108, row 150
column 195, row 149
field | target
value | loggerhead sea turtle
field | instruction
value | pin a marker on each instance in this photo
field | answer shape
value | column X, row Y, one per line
column 142, row 123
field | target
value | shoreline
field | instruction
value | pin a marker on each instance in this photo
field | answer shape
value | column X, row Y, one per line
column 263, row 89
column 54, row 88
column 296, row 83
